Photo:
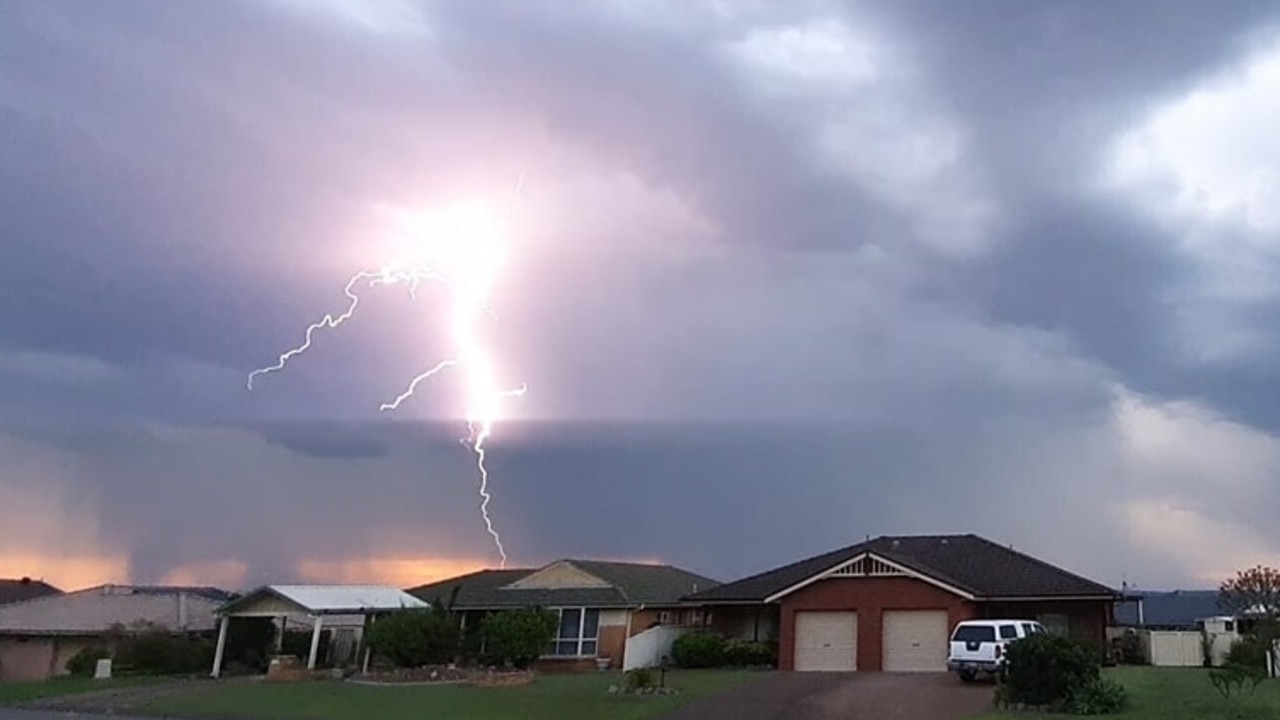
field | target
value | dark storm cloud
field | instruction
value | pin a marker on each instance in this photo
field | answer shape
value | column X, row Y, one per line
column 176, row 180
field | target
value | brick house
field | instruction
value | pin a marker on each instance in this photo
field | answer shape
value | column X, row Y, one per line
column 611, row 610
column 889, row 603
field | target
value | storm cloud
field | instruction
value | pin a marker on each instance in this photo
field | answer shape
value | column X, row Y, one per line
column 826, row 269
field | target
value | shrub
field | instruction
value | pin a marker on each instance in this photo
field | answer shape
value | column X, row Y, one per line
column 1099, row 696
column 699, row 649
column 640, row 678
column 1249, row 651
column 519, row 636
column 1045, row 670
column 748, row 653
column 83, row 663
column 156, row 651
column 417, row 637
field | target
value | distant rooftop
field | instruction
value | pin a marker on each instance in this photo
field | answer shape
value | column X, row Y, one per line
column 599, row 584
column 20, row 589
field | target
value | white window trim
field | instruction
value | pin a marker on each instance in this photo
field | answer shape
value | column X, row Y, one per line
column 582, row 624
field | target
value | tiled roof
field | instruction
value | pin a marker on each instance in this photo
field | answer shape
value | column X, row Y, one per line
column 18, row 590
column 631, row 585
column 966, row 562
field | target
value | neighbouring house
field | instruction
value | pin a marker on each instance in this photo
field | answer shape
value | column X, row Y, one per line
column 343, row 609
column 20, row 589
column 1167, row 610
column 629, row 613
column 38, row 636
column 889, row 603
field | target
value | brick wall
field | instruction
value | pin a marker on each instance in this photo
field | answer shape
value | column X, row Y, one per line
column 869, row 597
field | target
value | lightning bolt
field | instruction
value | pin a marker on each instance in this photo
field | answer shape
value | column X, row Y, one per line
column 464, row 259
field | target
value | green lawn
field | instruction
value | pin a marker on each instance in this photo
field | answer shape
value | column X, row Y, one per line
column 1178, row 694
column 557, row 697
column 18, row 692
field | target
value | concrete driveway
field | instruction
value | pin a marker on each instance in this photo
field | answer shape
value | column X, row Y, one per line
column 848, row 696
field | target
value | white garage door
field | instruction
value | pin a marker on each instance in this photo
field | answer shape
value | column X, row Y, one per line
column 915, row 640
column 826, row 641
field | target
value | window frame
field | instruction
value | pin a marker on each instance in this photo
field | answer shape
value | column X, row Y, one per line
column 581, row 640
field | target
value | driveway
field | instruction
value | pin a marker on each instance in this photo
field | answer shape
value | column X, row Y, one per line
column 848, row 696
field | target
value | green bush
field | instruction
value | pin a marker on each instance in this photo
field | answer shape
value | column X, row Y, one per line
column 417, row 637
column 519, row 636
column 1045, row 670
column 699, row 649
column 1099, row 696
column 83, row 663
column 748, row 653
column 640, row 678
column 157, row 651
column 1249, row 651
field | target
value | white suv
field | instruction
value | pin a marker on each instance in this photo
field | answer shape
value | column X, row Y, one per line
column 979, row 645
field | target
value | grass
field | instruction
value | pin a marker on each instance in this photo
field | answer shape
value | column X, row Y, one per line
column 1162, row 693
column 556, row 697
column 19, row 692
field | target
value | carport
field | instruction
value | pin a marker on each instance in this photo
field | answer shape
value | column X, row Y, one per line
column 314, row 601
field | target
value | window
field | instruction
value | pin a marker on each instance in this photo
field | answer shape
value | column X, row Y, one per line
column 1008, row 632
column 975, row 633
column 578, row 633
column 1229, row 626
column 1056, row 624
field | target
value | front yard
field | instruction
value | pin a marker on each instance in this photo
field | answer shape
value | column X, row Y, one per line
column 1159, row 693
column 21, row 692
column 555, row 697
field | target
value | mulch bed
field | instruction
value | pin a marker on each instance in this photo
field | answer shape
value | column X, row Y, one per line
column 444, row 675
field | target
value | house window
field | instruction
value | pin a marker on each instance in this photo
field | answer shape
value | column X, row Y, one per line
column 578, row 632
column 1056, row 624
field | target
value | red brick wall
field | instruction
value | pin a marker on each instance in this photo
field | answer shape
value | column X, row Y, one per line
column 869, row 597
column 1088, row 618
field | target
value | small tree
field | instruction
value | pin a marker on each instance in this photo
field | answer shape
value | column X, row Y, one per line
column 1046, row 670
column 417, row 637
column 1252, row 591
column 520, row 636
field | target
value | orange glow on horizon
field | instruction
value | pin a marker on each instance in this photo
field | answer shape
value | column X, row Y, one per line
column 400, row 572
column 66, row 572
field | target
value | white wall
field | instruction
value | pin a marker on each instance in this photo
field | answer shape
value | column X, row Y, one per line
column 647, row 648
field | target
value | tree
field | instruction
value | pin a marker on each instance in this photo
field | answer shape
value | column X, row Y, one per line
column 520, row 636
column 1252, row 591
column 416, row 637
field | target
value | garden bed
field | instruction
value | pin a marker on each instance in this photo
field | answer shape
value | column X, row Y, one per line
column 445, row 675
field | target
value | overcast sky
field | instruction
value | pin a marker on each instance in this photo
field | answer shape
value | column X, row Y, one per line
column 782, row 276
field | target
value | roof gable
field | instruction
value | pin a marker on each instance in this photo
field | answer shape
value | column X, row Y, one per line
column 968, row 565
column 559, row 575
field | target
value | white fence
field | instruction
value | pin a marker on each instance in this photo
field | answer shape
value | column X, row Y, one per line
column 647, row 648
column 1179, row 648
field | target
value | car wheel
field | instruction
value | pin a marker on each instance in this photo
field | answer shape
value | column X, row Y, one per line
column 966, row 675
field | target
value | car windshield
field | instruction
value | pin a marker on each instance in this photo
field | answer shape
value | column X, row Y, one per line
column 974, row 633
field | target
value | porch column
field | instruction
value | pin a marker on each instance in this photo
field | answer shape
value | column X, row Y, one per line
column 284, row 623
column 364, row 640
column 315, row 643
column 222, row 645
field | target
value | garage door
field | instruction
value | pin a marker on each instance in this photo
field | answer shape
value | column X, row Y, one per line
column 915, row 640
column 826, row 641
